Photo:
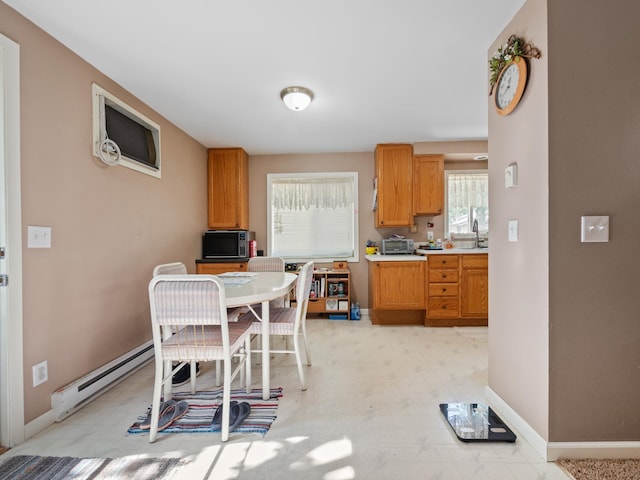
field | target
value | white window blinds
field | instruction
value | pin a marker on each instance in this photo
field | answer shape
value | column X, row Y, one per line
column 313, row 216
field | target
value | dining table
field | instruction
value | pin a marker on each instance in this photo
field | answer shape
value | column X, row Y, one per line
column 251, row 288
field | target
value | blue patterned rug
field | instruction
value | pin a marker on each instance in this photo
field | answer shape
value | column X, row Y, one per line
column 202, row 406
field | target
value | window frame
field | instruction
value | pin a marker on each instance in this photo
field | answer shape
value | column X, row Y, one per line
column 447, row 233
column 356, row 222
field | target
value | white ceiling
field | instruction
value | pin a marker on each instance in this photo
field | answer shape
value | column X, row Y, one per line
column 381, row 70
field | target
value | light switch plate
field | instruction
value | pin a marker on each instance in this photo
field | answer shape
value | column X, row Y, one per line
column 513, row 230
column 38, row 237
column 594, row 228
column 511, row 176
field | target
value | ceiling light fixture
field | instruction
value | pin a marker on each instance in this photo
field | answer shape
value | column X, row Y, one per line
column 296, row 98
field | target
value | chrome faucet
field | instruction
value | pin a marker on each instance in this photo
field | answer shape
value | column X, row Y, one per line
column 476, row 231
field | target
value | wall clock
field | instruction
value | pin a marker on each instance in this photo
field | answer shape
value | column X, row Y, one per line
column 510, row 86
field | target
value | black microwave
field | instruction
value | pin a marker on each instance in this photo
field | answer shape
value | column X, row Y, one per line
column 226, row 243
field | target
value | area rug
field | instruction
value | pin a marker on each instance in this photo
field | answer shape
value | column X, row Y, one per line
column 606, row 469
column 202, row 406
column 29, row 467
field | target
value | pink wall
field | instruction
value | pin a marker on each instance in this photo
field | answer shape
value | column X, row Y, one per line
column 519, row 271
column 85, row 299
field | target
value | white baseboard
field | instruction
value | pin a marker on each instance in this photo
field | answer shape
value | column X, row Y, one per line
column 509, row 415
column 558, row 450
column 39, row 424
column 552, row 451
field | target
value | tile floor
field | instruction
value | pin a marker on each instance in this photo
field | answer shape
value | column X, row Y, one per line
column 370, row 412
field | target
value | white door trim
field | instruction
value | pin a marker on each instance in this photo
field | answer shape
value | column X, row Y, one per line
column 12, row 431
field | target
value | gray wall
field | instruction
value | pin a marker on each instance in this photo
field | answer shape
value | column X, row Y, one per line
column 564, row 329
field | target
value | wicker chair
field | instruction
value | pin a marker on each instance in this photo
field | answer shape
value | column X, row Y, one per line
column 190, row 323
column 290, row 322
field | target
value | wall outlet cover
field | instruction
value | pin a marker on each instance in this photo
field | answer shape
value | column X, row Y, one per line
column 511, row 176
column 38, row 237
column 594, row 228
column 513, row 230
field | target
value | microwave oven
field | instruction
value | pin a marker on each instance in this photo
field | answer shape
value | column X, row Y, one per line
column 226, row 243
column 395, row 246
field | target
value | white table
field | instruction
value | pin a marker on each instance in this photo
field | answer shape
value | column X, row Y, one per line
column 263, row 287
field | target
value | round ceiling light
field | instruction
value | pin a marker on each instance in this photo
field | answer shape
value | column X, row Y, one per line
column 296, row 98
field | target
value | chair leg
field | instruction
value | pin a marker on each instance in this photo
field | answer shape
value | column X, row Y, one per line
column 306, row 344
column 226, row 399
column 155, row 405
column 218, row 373
column 193, row 377
column 247, row 359
column 296, row 347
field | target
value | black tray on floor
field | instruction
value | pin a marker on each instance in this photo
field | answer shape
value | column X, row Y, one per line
column 475, row 422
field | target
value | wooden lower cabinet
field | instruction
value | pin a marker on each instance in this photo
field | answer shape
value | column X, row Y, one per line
column 474, row 299
column 397, row 292
column 443, row 286
column 457, row 290
column 218, row 268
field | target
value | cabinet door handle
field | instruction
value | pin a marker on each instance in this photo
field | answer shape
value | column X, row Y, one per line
column 444, row 276
column 444, row 290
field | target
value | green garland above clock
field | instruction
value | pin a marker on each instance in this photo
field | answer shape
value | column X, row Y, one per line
column 508, row 73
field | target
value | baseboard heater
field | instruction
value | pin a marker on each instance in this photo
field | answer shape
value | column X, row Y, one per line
column 74, row 396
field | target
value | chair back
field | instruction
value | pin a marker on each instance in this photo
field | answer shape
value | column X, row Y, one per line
column 266, row 264
column 303, row 288
column 188, row 304
column 176, row 268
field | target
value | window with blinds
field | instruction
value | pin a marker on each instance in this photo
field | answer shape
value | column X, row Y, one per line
column 466, row 200
column 313, row 216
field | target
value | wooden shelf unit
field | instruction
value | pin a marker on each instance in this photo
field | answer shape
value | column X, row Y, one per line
column 330, row 293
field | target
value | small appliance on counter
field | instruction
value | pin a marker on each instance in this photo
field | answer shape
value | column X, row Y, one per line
column 397, row 246
column 221, row 244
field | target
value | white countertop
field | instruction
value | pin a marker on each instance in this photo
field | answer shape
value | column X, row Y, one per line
column 396, row 258
column 422, row 254
column 453, row 251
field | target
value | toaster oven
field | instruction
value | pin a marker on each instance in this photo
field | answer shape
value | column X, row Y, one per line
column 397, row 246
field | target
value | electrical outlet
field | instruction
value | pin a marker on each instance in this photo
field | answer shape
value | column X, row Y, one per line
column 40, row 373
column 38, row 237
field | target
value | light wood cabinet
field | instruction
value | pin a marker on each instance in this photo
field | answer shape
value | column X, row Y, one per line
column 443, row 286
column 398, row 285
column 218, row 268
column 457, row 290
column 474, row 298
column 428, row 184
column 228, row 189
column 394, row 174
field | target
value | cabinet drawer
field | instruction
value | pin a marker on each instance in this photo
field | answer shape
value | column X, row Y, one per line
column 475, row 261
column 443, row 307
column 443, row 290
column 218, row 268
column 442, row 261
column 317, row 305
column 443, row 276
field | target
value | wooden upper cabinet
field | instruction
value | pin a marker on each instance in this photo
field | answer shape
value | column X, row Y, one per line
column 394, row 173
column 228, row 188
column 428, row 184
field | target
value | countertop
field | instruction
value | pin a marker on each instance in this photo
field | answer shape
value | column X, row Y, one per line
column 423, row 253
